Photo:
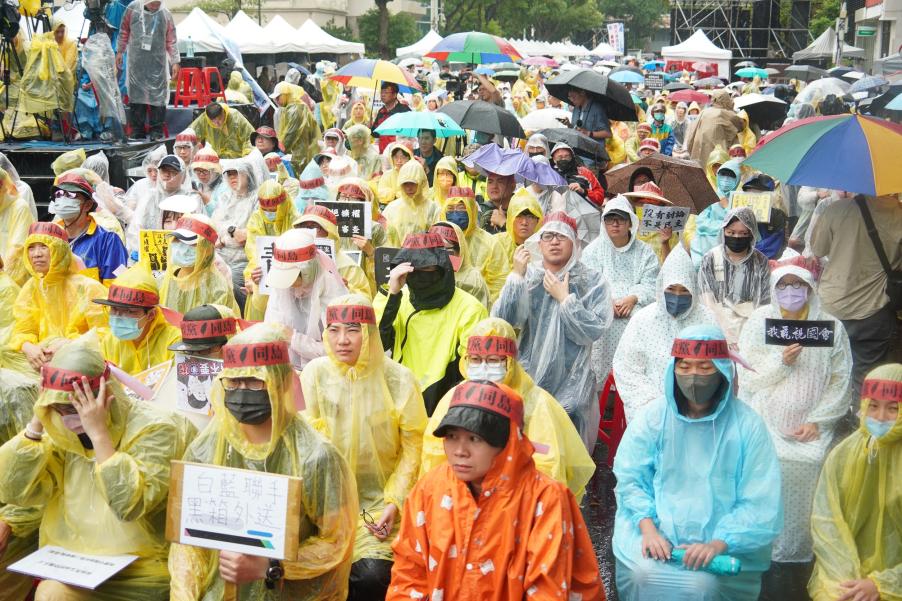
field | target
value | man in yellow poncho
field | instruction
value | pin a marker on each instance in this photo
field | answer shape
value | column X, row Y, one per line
column 297, row 127
column 523, row 216
column 68, row 48
column 139, row 335
column 856, row 517
column 224, row 129
column 256, row 427
column 325, row 224
column 487, row 255
column 371, row 408
column 55, row 303
column 413, row 211
column 16, row 218
column 492, row 355
column 98, row 463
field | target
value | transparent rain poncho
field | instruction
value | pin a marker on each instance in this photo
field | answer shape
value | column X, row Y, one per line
column 556, row 338
column 410, row 214
column 856, row 514
column 149, row 58
column 117, row 507
column 148, row 215
column 715, row 477
column 630, row 270
column 643, row 354
column 99, row 61
column 16, row 217
column 235, row 207
column 145, row 185
column 373, row 413
column 329, row 508
column 813, row 390
column 21, row 185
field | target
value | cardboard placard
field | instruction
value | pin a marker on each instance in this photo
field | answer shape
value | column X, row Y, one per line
column 264, row 249
column 229, row 509
column 68, row 567
column 384, row 256
column 327, row 246
column 153, row 248
column 355, row 218
column 194, row 380
column 759, row 202
column 152, row 377
column 783, row 332
column 654, row 81
column 656, row 217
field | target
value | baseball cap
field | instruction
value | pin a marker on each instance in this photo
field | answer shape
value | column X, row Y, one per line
column 291, row 251
column 173, row 162
column 204, row 327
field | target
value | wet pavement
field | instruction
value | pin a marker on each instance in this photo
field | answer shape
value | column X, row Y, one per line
column 598, row 512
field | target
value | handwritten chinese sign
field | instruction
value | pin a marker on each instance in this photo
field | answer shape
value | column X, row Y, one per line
column 194, row 379
column 354, row 218
column 264, row 250
column 784, row 332
column 68, row 567
column 759, row 202
column 152, row 248
column 656, row 217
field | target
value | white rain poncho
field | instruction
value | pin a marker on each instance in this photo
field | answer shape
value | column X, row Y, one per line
column 715, row 477
column 644, row 351
column 235, row 207
column 149, row 61
column 148, row 215
column 813, row 390
column 556, row 338
column 145, row 185
column 732, row 290
column 24, row 189
column 629, row 270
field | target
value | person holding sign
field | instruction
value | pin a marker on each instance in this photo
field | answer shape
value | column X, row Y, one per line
column 371, row 408
column 665, row 238
column 801, row 394
column 55, row 303
column 325, row 225
column 527, row 539
column 855, row 517
column 354, row 189
column 256, row 427
column 139, row 335
column 98, row 463
column 191, row 277
column 696, row 472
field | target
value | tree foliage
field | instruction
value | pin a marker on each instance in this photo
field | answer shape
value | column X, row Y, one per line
column 402, row 31
column 639, row 17
column 548, row 19
column 823, row 15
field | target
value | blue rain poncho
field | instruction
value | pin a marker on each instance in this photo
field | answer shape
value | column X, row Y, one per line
column 715, row 477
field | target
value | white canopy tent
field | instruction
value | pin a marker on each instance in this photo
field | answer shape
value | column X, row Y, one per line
column 197, row 29
column 282, row 36
column 605, row 50
column 422, row 46
column 314, row 40
column 699, row 48
column 824, row 47
column 248, row 35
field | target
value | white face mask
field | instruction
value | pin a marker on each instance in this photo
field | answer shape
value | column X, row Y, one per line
column 65, row 208
column 493, row 372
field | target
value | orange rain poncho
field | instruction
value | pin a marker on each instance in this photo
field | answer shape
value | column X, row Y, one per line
column 524, row 537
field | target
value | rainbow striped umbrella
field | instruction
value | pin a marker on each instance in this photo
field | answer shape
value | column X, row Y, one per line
column 474, row 48
column 369, row 73
column 853, row 153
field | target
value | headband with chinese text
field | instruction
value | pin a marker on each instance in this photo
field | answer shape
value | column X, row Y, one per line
column 490, row 398
column 254, row 355
column 350, row 314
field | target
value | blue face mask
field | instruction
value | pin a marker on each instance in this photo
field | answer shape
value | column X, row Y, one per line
column 658, row 116
column 183, row 255
column 878, row 428
column 726, row 183
column 677, row 304
column 459, row 218
column 270, row 215
column 124, row 328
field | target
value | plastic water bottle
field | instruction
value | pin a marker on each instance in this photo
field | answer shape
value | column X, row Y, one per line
column 190, row 53
column 721, row 565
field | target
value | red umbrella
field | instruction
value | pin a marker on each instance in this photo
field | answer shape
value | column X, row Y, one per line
column 689, row 96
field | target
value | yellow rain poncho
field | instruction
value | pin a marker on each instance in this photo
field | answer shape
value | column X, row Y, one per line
column 115, row 507
column 47, row 84
column 467, row 277
column 354, row 277
column 747, row 137
column 440, row 193
column 68, row 47
column 360, row 115
column 16, row 217
column 297, row 128
column 9, row 358
column 273, row 196
column 238, row 91
column 56, row 304
column 379, row 236
column 71, row 159
column 331, row 89
column 230, row 141
column 388, row 188
column 134, row 356
column 410, row 214
column 486, row 254
column 328, row 497
column 523, row 200
column 184, row 288
column 373, row 412
column 560, row 452
column 857, row 516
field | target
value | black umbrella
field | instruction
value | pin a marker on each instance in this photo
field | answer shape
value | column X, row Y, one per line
column 877, row 105
column 581, row 145
column 839, row 71
column 706, row 82
column 484, row 117
column 616, row 99
column 804, row 72
column 677, row 85
column 763, row 110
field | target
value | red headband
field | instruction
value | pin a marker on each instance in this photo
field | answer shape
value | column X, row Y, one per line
column 491, row 345
column 198, row 227
column 208, row 328
column 48, row 229
column 700, row 349
column 445, row 232
column 323, row 212
column 271, row 203
column 255, row 355
column 132, row 296
column 352, row 190
column 882, row 390
column 294, row 255
column 309, row 184
column 563, row 218
column 350, row 314
column 490, row 398
column 203, row 157
column 56, row 378
column 423, row 241
column 461, row 192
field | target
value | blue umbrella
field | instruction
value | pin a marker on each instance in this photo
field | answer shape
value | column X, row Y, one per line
column 652, row 65
column 895, row 104
column 627, row 77
column 752, row 72
column 491, row 158
column 867, row 83
column 410, row 123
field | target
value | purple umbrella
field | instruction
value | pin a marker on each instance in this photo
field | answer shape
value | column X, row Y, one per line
column 491, row 158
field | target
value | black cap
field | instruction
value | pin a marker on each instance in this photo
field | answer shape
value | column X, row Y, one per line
column 618, row 213
column 760, row 181
column 201, row 313
column 172, row 161
column 491, row 427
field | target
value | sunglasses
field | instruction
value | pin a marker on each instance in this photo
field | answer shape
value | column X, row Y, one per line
column 65, row 194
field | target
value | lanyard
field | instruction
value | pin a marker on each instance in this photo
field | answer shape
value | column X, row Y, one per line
column 144, row 26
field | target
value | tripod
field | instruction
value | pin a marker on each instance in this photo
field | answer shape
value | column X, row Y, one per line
column 9, row 59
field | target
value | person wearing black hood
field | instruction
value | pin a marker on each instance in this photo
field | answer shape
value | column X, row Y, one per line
column 426, row 327
column 579, row 178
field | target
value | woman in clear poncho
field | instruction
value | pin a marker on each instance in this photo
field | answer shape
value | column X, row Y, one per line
column 150, row 164
column 801, row 394
column 560, row 452
column 642, row 356
column 412, row 212
column 102, row 479
column 389, row 188
column 274, row 216
column 21, row 185
column 466, row 276
column 371, row 408
column 324, row 222
column 319, row 571
column 148, row 215
column 855, row 521
column 734, row 278
column 16, row 218
column 191, row 278
column 631, row 270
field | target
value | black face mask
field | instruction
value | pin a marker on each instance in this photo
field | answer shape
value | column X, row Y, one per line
column 250, row 407
column 564, row 166
column 737, row 244
column 429, row 289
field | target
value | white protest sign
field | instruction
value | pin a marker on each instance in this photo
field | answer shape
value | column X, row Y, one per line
column 68, row 567
column 264, row 250
column 656, row 217
column 194, row 380
column 327, row 246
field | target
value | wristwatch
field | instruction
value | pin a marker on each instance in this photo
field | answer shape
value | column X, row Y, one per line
column 274, row 573
column 231, row 230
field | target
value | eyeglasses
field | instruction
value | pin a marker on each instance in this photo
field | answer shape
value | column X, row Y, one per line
column 476, row 360
column 369, row 521
column 247, row 384
column 785, row 285
column 614, row 220
column 549, row 236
